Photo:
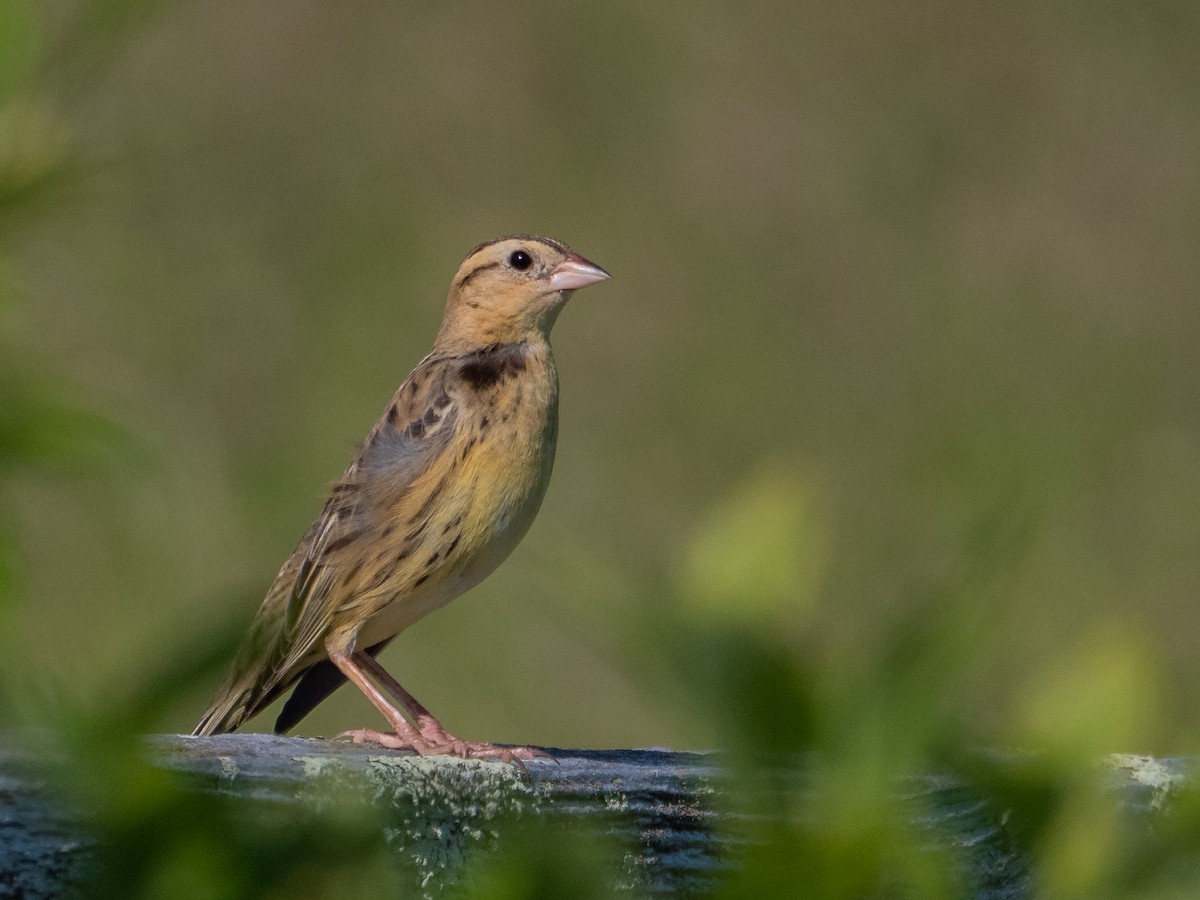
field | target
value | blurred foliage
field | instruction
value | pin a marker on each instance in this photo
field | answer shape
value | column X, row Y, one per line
column 882, row 447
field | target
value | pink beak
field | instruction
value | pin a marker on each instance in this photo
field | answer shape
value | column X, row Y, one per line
column 575, row 272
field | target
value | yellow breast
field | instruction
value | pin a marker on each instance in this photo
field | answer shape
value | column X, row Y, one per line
column 476, row 504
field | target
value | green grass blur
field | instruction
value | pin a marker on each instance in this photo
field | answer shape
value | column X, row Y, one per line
column 884, row 440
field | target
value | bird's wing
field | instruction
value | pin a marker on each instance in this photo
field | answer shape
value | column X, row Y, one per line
column 408, row 439
column 301, row 604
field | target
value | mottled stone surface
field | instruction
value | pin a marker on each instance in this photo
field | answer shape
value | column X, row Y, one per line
column 42, row 847
column 671, row 817
column 657, row 801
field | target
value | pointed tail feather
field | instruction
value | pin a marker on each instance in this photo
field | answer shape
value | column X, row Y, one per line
column 228, row 711
column 240, row 699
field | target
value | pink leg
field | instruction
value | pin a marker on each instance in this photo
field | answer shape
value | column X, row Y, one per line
column 427, row 725
column 406, row 737
column 429, row 738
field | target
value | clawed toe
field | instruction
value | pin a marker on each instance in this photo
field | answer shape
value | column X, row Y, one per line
column 513, row 756
column 387, row 739
column 444, row 744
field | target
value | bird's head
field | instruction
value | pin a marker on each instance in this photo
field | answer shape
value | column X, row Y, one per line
column 511, row 290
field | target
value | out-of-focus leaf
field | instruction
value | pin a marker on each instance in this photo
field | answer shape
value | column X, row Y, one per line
column 35, row 147
column 40, row 426
column 758, row 556
column 1098, row 696
column 20, row 41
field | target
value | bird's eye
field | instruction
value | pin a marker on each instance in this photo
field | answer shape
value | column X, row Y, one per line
column 520, row 260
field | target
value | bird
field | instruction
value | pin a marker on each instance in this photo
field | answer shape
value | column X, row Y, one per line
column 443, row 488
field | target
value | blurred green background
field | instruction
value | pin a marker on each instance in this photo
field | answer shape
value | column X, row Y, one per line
column 901, row 339
column 882, row 444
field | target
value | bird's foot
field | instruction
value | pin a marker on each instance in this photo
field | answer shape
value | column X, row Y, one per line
column 388, row 739
column 435, row 735
column 439, row 742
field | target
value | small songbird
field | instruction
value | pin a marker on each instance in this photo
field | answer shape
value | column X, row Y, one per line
column 445, row 485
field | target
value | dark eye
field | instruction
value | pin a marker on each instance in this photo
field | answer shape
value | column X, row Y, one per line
column 520, row 260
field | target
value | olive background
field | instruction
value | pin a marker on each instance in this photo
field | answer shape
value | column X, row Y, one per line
column 922, row 267
column 895, row 378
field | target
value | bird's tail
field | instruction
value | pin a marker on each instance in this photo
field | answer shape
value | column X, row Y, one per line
column 252, row 682
column 231, row 707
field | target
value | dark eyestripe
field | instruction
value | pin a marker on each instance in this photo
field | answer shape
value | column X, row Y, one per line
column 462, row 282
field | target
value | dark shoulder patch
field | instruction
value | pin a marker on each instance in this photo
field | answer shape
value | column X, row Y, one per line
column 486, row 368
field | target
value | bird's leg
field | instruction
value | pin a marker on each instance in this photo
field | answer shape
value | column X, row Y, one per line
column 405, row 737
column 429, row 727
column 432, row 738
